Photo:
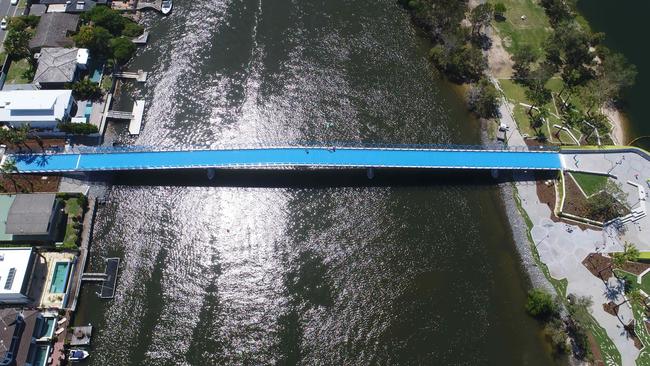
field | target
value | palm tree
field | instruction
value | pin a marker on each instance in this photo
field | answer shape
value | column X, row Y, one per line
column 8, row 169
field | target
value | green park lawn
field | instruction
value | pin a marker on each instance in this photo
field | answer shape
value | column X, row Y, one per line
column 72, row 209
column 590, row 183
column 515, row 31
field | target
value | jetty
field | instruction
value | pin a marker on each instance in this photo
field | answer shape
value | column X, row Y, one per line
column 142, row 39
column 108, row 286
column 139, row 76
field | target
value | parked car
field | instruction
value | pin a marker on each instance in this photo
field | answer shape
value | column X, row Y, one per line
column 3, row 24
column 14, row 2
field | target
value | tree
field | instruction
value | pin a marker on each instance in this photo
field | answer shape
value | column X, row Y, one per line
column 8, row 170
column 499, row 11
column 607, row 205
column 523, row 57
column 86, row 90
column 122, row 49
column 541, row 305
column 480, row 16
column 616, row 72
column 537, row 119
column 94, row 38
column 107, row 18
column 538, row 95
column 629, row 254
column 483, row 99
column 132, row 29
column 17, row 44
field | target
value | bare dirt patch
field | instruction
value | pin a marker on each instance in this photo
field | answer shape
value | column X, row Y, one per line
column 19, row 183
column 499, row 61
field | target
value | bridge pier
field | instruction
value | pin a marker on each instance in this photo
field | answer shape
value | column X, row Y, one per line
column 211, row 173
column 370, row 173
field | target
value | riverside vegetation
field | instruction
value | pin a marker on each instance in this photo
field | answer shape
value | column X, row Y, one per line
column 566, row 64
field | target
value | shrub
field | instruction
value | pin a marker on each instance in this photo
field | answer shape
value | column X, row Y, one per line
column 541, row 305
column 499, row 11
column 77, row 128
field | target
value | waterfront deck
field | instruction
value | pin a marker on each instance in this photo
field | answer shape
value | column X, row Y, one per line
column 287, row 157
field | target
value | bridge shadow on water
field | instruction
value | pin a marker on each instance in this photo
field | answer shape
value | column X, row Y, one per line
column 317, row 178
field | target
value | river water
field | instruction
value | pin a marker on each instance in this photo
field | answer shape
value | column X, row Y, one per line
column 323, row 268
column 621, row 21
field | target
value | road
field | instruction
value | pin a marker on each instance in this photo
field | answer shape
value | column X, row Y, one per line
column 6, row 10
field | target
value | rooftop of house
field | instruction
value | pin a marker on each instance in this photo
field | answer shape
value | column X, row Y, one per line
column 59, row 65
column 30, row 214
column 19, row 347
column 14, row 263
column 33, row 105
column 53, row 30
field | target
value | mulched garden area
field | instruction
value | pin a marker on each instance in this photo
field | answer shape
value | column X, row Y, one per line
column 575, row 203
column 600, row 266
column 595, row 351
column 611, row 308
column 546, row 194
column 632, row 333
column 27, row 183
column 33, row 145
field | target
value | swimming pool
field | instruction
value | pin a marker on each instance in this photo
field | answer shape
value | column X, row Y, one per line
column 60, row 277
column 47, row 328
column 41, row 355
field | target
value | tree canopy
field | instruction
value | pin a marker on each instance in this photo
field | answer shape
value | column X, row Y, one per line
column 94, row 38
column 122, row 49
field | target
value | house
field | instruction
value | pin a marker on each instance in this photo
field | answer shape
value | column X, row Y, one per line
column 16, row 265
column 54, row 30
column 58, row 66
column 33, row 217
column 69, row 6
column 25, row 337
column 42, row 109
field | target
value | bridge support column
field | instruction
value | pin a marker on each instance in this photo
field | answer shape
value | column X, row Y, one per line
column 211, row 173
column 495, row 173
column 370, row 173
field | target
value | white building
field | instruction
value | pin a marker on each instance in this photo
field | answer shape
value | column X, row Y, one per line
column 42, row 109
column 16, row 266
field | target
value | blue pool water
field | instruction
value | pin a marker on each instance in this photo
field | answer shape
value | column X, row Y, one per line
column 42, row 353
column 59, row 277
column 298, row 157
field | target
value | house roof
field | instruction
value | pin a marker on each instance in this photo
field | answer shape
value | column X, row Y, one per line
column 33, row 105
column 57, row 65
column 8, row 329
column 30, row 214
column 14, row 263
column 53, row 30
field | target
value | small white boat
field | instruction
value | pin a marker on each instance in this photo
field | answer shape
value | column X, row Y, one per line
column 77, row 355
column 166, row 7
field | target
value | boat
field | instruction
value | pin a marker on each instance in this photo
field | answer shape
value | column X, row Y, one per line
column 166, row 7
column 77, row 355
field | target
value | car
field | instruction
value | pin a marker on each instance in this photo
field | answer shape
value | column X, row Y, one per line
column 14, row 2
column 3, row 24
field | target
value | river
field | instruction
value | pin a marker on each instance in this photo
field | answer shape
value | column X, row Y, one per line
column 324, row 268
column 621, row 22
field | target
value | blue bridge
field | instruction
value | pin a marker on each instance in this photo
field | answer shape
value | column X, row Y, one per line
column 419, row 157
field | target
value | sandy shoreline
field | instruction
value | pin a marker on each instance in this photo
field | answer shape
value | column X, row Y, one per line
column 619, row 124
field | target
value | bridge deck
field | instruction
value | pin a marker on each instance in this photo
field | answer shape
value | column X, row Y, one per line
column 288, row 157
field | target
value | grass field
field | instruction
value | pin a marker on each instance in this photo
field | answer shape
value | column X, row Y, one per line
column 590, row 183
column 16, row 73
column 515, row 31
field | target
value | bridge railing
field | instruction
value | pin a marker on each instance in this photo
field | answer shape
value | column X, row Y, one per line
column 354, row 145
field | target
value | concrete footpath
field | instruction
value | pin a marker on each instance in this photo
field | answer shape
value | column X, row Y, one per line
column 563, row 247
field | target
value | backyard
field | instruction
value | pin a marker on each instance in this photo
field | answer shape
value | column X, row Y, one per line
column 74, row 209
column 19, row 72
